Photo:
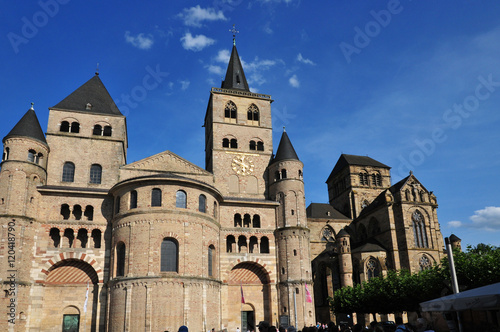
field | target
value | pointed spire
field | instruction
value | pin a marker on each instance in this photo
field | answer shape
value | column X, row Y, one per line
column 285, row 149
column 235, row 77
column 28, row 126
column 92, row 92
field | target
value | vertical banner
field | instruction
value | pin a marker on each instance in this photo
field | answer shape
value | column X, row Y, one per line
column 242, row 296
column 86, row 298
column 308, row 295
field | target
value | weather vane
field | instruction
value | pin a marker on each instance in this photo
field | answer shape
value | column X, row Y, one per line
column 234, row 31
column 97, row 69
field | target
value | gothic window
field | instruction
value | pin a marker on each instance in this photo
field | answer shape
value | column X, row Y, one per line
column 372, row 268
column 230, row 112
column 95, row 173
column 181, row 199
column 96, row 237
column 260, row 146
column 64, row 127
column 65, row 212
column 169, row 255
column 225, row 142
column 202, row 203
column 253, row 146
column 256, row 221
column 68, row 174
column 107, row 131
column 363, row 178
column 264, row 245
column 234, row 143
column 120, row 259
column 97, row 130
column 419, row 232
column 156, row 197
column 246, row 220
column 230, row 242
column 237, row 220
column 133, row 199
column 31, row 156
column 424, row 262
column 327, row 234
column 89, row 212
column 75, row 127
column 211, row 260
column 253, row 115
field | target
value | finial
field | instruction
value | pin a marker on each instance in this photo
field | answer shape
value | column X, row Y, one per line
column 411, row 172
column 234, row 31
column 284, row 130
column 32, row 106
column 97, row 69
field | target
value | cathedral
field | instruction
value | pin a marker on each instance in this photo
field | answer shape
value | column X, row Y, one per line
column 90, row 242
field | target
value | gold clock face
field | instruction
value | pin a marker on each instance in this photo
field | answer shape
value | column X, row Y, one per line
column 242, row 165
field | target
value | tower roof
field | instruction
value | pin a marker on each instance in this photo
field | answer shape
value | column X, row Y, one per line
column 92, row 92
column 349, row 159
column 235, row 76
column 28, row 126
column 285, row 149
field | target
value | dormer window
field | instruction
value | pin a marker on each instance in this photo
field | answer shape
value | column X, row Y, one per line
column 89, row 106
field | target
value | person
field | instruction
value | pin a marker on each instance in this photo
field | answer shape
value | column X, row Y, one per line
column 291, row 328
column 357, row 328
column 238, row 329
column 263, row 326
column 400, row 327
column 183, row 328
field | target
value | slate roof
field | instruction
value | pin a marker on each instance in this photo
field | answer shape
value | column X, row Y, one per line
column 235, row 76
column 397, row 186
column 94, row 92
column 28, row 126
column 285, row 150
column 321, row 210
column 370, row 246
column 342, row 233
column 349, row 159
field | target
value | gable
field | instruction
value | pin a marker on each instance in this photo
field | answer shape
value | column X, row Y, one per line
column 166, row 162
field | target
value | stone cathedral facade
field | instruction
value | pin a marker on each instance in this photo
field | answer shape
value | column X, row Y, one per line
column 92, row 243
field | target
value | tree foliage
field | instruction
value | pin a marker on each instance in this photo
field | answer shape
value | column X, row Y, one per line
column 403, row 291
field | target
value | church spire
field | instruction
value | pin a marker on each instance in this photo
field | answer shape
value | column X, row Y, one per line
column 285, row 149
column 28, row 126
column 235, row 76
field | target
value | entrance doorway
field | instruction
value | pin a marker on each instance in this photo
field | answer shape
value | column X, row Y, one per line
column 247, row 321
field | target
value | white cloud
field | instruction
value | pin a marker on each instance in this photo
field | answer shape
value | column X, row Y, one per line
column 487, row 218
column 141, row 41
column 300, row 58
column 294, row 81
column 194, row 16
column 223, row 56
column 196, row 43
column 213, row 69
column 455, row 224
column 184, row 85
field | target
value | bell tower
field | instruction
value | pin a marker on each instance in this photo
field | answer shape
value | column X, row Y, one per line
column 238, row 135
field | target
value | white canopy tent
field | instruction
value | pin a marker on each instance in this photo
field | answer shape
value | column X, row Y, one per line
column 482, row 298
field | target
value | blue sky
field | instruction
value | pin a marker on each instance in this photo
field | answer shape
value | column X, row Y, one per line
column 412, row 84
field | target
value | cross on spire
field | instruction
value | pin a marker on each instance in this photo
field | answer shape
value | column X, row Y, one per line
column 234, row 31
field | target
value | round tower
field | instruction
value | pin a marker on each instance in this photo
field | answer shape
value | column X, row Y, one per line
column 286, row 186
column 345, row 260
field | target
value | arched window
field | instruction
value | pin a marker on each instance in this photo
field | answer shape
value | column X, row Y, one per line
column 55, row 236
column 264, row 245
column 68, row 174
column 97, row 130
column 83, row 237
column 300, row 174
column 276, row 175
column 260, row 146
column 253, row 115
column 253, row 146
column 181, row 199
column 424, row 262
column 211, row 260
column 242, row 244
column 65, row 212
column 64, row 127
column 215, row 210
column 89, row 212
column 283, row 173
column 363, row 179
column 107, row 131
column 372, row 268
column 31, row 156
column 407, row 195
column 234, row 143
column 77, row 212
column 246, row 220
column 6, row 154
column 75, row 127
column 133, row 199
column 202, row 203
column 419, row 232
column 96, row 237
column 256, row 221
column 95, row 173
column 327, row 234
column 120, row 259
column 225, row 142
column 39, row 158
column 156, row 197
column 230, row 243
column 253, row 245
column 69, row 236
column 117, row 205
column 169, row 255
column 230, row 112
column 237, row 220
